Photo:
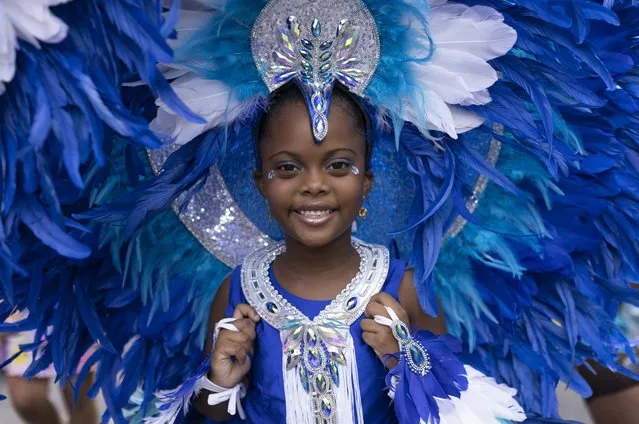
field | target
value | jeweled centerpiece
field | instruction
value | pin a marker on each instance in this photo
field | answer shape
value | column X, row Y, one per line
column 316, row 47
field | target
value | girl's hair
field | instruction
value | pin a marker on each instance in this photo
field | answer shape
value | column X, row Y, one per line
column 341, row 97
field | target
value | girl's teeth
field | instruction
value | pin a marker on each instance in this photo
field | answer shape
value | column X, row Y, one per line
column 315, row 213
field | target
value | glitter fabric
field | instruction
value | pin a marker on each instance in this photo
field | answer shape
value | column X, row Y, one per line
column 215, row 220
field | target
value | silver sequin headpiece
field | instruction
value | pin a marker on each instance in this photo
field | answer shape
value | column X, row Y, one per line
column 315, row 43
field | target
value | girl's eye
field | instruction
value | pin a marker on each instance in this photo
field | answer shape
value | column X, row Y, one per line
column 287, row 170
column 340, row 165
column 287, row 167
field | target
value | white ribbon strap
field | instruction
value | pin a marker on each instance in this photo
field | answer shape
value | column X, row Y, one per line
column 221, row 394
column 380, row 319
column 224, row 324
column 398, row 327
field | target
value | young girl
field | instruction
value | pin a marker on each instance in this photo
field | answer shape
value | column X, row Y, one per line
column 315, row 191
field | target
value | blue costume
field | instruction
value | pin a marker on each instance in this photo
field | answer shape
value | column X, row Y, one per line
column 265, row 402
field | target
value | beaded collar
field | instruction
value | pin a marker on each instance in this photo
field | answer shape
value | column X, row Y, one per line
column 315, row 347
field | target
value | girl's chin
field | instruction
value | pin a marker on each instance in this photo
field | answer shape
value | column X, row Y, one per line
column 319, row 237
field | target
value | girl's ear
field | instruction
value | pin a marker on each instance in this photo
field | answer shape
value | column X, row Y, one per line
column 258, row 178
column 368, row 181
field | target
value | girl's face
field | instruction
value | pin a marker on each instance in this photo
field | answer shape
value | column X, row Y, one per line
column 314, row 191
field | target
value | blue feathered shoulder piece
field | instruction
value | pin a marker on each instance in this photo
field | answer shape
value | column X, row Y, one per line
column 72, row 137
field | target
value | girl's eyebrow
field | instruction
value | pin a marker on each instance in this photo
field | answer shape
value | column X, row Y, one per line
column 340, row 149
column 284, row 152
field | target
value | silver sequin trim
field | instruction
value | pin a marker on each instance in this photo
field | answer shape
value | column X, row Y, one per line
column 215, row 220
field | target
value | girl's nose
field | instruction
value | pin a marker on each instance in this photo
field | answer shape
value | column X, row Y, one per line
column 314, row 182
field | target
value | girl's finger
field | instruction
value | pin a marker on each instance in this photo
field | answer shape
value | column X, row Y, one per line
column 371, row 339
column 385, row 299
column 246, row 326
column 236, row 350
column 238, row 337
column 375, row 308
column 246, row 311
column 372, row 327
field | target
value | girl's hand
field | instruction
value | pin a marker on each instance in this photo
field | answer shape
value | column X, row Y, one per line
column 231, row 359
column 378, row 336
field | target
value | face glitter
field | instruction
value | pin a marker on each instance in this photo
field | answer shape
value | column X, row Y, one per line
column 355, row 170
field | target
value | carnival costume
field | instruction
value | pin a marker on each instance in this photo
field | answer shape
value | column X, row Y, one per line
column 505, row 154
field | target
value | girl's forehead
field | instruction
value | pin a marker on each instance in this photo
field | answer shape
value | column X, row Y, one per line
column 289, row 130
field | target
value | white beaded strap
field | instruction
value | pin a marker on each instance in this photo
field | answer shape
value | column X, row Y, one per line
column 221, row 394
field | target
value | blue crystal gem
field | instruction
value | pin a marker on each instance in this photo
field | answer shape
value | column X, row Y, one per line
column 318, row 102
column 316, row 28
column 320, row 383
column 286, row 76
column 314, row 358
column 307, row 44
column 306, row 66
column 306, row 76
column 325, row 56
column 306, row 54
column 351, row 303
column 327, row 406
column 272, row 307
column 332, row 368
column 326, row 45
column 416, row 354
column 311, row 338
column 325, row 67
column 401, row 331
column 347, row 80
column 319, row 125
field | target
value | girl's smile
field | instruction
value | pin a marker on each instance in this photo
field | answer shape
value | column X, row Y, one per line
column 314, row 214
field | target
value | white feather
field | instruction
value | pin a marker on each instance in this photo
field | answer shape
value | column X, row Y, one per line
column 212, row 100
column 485, row 402
column 479, row 30
column 433, row 111
column 8, row 45
column 30, row 20
column 34, row 22
column 465, row 39
column 464, row 119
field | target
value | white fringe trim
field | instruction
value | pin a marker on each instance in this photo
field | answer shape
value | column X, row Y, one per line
column 347, row 395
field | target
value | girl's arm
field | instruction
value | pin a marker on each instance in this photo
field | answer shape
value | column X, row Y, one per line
column 216, row 313
column 418, row 319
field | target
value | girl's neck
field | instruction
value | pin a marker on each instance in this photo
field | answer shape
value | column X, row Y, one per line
column 317, row 272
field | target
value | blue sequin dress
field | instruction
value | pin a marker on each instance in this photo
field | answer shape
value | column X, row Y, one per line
column 264, row 402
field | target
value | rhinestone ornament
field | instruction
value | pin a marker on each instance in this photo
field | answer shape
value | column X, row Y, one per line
column 315, row 44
